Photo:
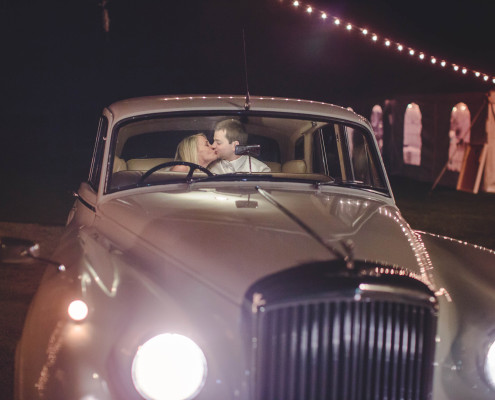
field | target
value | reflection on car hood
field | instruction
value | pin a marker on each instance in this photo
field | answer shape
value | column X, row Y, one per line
column 233, row 238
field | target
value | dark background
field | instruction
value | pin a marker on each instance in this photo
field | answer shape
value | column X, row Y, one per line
column 60, row 68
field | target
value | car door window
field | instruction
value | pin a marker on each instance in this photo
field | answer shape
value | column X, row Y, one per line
column 344, row 152
column 326, row 159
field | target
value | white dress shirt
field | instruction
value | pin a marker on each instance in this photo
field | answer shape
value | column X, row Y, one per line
column 240, row 164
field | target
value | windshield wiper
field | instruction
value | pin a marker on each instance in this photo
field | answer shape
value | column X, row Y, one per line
column 349, row 183
column 347, row 245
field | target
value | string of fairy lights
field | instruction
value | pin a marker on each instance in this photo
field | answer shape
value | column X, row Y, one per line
column 370, row 35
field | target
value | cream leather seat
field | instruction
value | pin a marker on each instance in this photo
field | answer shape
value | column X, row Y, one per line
column 294, row 167
column 144, row 164
column 119, row 164
column 274, row 166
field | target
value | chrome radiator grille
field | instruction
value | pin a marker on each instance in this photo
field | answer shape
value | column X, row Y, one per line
column 344, row 349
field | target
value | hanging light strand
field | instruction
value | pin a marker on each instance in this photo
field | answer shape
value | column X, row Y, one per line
column 388, row 43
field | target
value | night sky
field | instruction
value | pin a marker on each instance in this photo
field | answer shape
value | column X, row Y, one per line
column 58, row 50
column 60, row 68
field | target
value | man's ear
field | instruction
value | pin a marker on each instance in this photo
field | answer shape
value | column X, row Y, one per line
column 235, row 143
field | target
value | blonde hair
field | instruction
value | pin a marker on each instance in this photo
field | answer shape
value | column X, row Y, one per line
column 187, row 150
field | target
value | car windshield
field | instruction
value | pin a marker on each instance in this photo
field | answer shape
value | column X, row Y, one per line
column 270, row 147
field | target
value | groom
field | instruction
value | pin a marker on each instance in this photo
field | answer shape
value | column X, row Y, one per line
column 228, row 134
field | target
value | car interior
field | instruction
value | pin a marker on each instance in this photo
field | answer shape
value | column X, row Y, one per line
column 309, row 149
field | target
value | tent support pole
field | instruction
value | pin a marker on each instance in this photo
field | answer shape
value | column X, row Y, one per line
column 453, row 154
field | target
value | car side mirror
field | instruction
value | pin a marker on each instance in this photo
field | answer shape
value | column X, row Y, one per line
column 15, row 250
column 253, row 150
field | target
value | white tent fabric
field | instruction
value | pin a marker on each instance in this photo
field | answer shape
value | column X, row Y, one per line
column 377, row 124
column 459, row 134
column 489, row 170
column 412, row 135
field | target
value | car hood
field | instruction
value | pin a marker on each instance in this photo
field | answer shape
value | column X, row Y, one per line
column 230, row 237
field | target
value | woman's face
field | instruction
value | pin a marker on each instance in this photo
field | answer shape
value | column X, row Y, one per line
column 205, row 153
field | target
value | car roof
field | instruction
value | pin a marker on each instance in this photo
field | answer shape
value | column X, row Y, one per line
column 155, row 104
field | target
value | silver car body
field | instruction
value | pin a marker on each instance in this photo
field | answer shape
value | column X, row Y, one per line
column 190, row 257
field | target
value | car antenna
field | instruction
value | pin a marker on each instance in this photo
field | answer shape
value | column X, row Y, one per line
column 247, row 103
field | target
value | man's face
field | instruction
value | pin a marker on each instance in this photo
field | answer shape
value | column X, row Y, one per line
column 222, row 147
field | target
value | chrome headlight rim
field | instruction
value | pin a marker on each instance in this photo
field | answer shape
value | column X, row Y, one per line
column 489, row 365
column 156, row 358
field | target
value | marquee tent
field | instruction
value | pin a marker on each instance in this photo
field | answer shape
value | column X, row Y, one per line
column 438, row 138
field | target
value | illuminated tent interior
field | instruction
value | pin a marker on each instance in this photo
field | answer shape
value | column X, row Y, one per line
column 429, row 137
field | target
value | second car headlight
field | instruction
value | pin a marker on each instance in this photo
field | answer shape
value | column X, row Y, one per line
column 490, row 365
column 169, row 366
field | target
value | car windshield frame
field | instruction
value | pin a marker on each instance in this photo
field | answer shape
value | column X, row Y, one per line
column 368, row 136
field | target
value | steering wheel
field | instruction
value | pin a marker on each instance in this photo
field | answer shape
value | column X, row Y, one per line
column 192, row 167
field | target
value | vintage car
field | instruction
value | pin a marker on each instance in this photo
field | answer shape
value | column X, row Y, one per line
column 304, row 282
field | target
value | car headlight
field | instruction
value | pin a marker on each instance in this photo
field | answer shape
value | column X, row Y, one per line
column 78, row 310
column 490, row 365
column 169, row 366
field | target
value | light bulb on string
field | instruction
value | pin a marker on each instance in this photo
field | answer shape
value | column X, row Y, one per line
column 388, row 42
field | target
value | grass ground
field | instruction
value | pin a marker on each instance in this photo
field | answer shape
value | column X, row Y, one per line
column 446, row 211
column 17, row 286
